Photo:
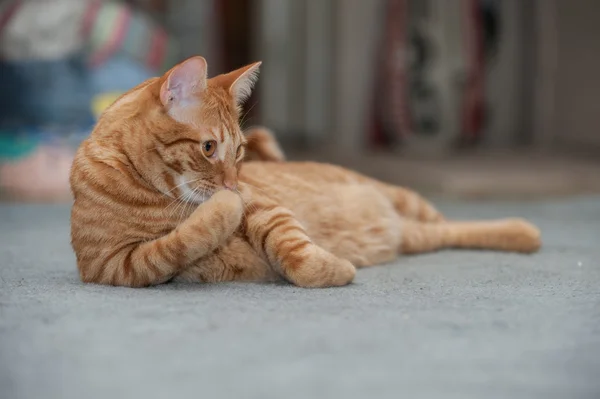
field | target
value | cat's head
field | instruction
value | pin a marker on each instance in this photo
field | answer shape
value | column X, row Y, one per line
column 182, row 129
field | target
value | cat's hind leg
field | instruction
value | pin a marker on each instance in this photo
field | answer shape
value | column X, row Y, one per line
column 275, row 233
column 512, row 235
column 410, row 205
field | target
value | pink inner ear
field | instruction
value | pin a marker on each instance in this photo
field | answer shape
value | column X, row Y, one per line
column 164, row 93
column 184, row 81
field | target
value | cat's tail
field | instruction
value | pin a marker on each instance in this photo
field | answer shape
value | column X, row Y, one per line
column 262, row 145
column 513, row 235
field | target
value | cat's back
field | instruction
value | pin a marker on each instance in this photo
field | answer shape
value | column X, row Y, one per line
column 293, row 173
column 300, row 185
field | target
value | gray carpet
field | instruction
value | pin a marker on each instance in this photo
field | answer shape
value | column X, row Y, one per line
column 454, row 324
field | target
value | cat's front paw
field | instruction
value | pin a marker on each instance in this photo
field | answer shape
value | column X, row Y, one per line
column 318, row 268
column 227, row 209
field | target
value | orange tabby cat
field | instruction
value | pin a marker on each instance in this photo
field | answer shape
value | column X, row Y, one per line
column 161, row 192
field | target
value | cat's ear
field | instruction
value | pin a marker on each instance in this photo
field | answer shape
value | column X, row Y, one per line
column 184, row 82
column 246, row 77
column 240, row 82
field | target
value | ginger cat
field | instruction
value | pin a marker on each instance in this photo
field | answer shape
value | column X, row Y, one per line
column 161, row 193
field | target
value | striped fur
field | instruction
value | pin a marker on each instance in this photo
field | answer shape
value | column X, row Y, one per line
column 150, row 207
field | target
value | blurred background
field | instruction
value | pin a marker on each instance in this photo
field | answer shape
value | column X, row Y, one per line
column 459, row 98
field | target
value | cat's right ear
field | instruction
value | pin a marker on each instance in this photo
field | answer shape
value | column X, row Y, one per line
column 184, row 82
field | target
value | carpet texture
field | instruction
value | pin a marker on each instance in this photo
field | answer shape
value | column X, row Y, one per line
column 454, row 324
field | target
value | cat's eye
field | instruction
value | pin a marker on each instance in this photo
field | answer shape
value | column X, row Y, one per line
column 209, row 148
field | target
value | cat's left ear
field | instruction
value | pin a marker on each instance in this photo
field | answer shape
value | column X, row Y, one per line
column 240, row 82
column 184, row 82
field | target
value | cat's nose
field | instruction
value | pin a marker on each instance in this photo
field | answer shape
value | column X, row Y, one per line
column 232, row 185
column 230, row 178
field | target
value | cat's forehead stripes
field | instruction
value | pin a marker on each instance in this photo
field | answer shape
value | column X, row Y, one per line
column 214, row 134
column 222, row 130
column 225, row 143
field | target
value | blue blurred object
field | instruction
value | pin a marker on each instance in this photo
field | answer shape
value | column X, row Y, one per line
column 39, row 93
column 120, row 73
column 49, row 102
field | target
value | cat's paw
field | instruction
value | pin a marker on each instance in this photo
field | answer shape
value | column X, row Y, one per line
column 318, row 269
column 225, row 204
column 227, row 199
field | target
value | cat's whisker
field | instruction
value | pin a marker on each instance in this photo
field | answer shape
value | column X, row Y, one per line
column 243, row 118
column 184, row 209
column 179, row 197
column 247, row 206
column 244, row 204
column 187, row 205
column 202, row 191
column 184, row 183
column 181, row 200
column 182, row 203
column 257, row 188
column 195, row 192
column 183, row 206
column 175, row 201
column 202, row 208
column 172, row 202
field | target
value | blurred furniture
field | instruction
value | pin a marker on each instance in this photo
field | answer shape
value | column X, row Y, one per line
column 196, row 25
column 319, row 58
column 565, row 83
column 322, row 59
